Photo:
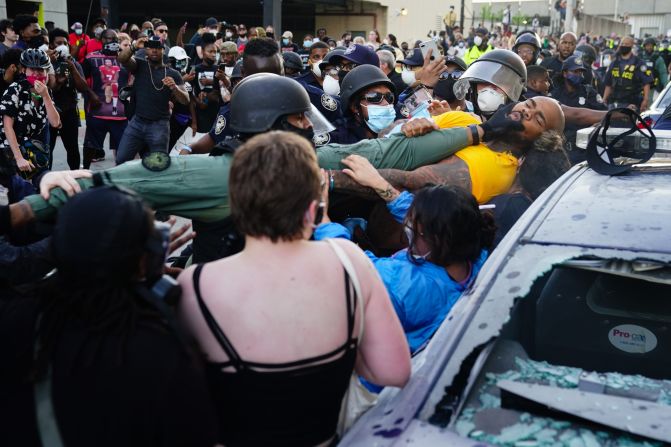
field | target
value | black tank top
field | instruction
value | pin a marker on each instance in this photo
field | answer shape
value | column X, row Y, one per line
column 280, row 404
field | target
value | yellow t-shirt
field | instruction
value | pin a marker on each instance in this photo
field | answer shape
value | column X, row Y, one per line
column 492, row 173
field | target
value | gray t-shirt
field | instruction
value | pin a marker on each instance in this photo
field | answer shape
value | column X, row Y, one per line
column 151, row 101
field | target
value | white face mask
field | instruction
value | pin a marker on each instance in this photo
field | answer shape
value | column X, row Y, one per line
column 228, row 71
column 606, row 62
column 461, row 45
column 63, row 50
column 331, row 86
column 229, row 34
column 44, row 47
column 79, row 31
column 408, row 77
column 489, row 100
column 477, row 41
column 316, row 70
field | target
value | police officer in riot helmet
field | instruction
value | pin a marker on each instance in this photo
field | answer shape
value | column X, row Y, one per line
column 496, row 78
column 293, row 65
column 605, row 59
column 259, row 103
column 655, row 64
column 528, row 47
column 588, row 55
column 367, row 97
column 628, row 79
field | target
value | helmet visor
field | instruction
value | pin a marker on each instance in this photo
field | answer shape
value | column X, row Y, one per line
column 320, row 125
column 500, row 75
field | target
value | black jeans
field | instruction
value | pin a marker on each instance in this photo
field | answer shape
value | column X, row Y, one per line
column 69, row 133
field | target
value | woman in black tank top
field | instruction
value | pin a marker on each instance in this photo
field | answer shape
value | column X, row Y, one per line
column 281, row 323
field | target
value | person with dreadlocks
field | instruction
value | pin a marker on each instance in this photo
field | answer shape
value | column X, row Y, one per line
column 93, row 347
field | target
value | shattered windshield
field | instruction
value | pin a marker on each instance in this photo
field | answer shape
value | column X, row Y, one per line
column 585, row 333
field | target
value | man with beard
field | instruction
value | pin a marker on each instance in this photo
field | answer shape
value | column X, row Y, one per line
column 155, row 86
column 30, row 34
column 486, row 168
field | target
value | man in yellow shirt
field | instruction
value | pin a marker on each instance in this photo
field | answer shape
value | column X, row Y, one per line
column 488, row 168
column 450, row 19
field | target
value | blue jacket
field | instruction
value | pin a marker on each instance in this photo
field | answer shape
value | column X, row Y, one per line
column 422, row 293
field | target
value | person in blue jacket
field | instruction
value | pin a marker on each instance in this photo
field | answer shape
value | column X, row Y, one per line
column 449, row 240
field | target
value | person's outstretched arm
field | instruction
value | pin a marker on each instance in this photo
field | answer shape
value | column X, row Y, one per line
column 192, row 187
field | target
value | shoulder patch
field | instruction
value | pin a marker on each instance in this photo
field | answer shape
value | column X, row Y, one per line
column 599, row 99
column 644, row 68
column 329, row 103
column 321, row 139
column 581, row 101
column 220, row 125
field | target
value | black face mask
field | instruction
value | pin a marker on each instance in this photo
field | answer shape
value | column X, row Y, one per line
column 35, row 42
column 341, row 76
column 445, row 89
column 625, row 50
column 308, row 133
column 111, row 48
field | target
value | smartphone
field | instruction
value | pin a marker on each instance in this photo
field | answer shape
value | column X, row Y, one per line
column 148, row 32
column 222, row 67
column 426, row 46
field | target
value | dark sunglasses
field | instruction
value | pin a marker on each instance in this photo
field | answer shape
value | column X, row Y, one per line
column 453, row 75
column 349, row 67
column 161, row 31
column 377, row 97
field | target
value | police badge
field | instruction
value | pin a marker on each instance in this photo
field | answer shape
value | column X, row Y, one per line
column 581, row 101
column 321, row 139
column 329, row 103
column 220, row 125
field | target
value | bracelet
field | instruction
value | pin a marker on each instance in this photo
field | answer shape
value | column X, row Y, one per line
column 474, row 134
column 331, row 180
column 187, row 148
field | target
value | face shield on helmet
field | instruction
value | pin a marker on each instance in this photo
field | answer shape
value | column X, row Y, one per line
column 495, row 73
column 320, row 125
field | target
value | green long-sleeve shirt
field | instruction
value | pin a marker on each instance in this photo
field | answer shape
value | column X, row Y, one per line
column 196, row 186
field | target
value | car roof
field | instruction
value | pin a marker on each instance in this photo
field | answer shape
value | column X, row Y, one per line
column 628, row 212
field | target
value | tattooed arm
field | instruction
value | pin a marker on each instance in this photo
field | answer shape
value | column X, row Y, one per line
column 451, row 171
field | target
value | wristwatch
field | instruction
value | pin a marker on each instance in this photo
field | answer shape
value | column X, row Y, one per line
column 474, row 134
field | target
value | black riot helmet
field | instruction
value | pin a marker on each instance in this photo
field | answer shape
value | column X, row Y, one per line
column 292, row 61
column 260, row 100
column 528, row 38
column 650, row 40
column 360, row 78
column 502, row 68
column 588, row 54
column 34, row 58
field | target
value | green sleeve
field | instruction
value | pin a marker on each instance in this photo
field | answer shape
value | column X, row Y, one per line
column 398, row 152
column 660, row 66
column 195, row 187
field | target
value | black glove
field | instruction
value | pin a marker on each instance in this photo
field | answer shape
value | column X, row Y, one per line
column 501, row 124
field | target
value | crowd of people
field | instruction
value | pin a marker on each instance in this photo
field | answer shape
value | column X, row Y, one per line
column 344, row 194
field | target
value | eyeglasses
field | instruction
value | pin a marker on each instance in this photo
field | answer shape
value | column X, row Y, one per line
column 377, row 97
column 162, row 30
column 451, row 75
column 347, row 67
column 331, row 72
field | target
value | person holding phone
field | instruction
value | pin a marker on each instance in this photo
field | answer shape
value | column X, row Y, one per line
column 206, row 91
column 26, row 108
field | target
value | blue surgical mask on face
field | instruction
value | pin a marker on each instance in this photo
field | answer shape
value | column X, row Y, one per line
column 307, row 43
column 574, row 79
column 380, row 117
column 285, row 41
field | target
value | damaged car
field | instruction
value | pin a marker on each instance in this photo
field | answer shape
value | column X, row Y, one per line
column 565, row 337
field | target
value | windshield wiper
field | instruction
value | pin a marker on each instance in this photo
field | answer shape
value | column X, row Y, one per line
column 635, row 416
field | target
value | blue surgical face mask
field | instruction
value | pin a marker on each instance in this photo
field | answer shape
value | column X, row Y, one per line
column 380, row 117
column 307, row 43
column 285, row 41
column 574, row 79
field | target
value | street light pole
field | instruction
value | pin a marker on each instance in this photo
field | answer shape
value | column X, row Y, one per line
column 568, row 21
column 461, row 17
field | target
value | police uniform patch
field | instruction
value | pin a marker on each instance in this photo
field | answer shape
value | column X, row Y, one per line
column 188, row 87
column 644, row 68
column 581, row 101
column 329, row 103
column 599, row 99
column 404, row 111
column 220, row 125
column 578, row 61
column 321, row 139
